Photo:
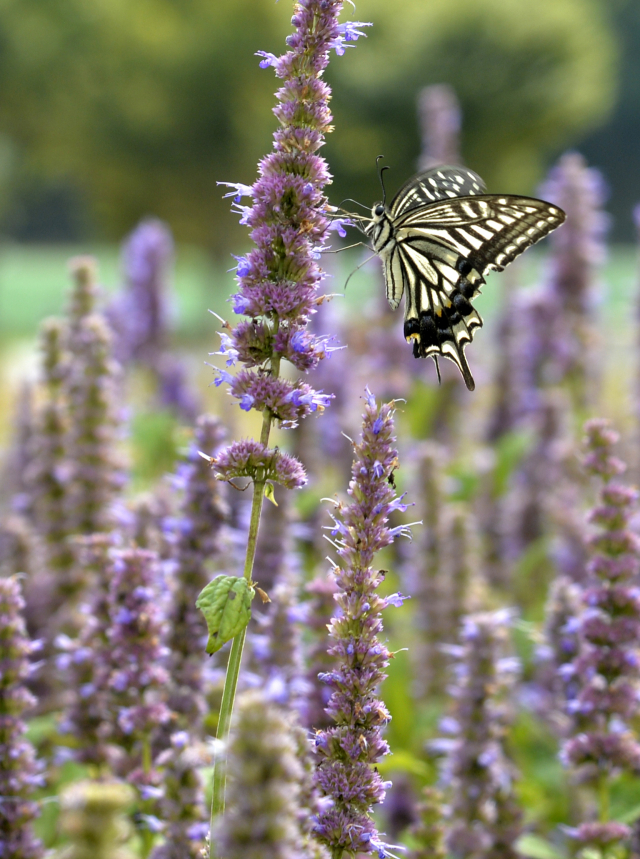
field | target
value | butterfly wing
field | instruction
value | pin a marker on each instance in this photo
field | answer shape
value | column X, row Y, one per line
column 441, row 254
column 438, row 183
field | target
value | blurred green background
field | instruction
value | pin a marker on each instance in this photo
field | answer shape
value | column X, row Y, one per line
column 112, row 110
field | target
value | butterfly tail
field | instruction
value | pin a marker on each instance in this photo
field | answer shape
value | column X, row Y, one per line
column 463, row 366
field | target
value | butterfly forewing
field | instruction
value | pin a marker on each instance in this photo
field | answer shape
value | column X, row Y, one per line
column 437, row 240
column 489, row 231
column 442, row 183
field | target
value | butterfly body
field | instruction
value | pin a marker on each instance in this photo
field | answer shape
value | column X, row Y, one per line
column 437, row 240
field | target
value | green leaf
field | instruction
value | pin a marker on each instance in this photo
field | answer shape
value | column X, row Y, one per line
column 226, row 605
column 538, row 848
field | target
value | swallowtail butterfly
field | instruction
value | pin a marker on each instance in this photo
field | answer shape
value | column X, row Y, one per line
column 437, row 239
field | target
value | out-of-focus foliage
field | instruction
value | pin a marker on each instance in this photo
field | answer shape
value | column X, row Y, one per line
column 529, row 77
column 614, row 147
column 141, row 107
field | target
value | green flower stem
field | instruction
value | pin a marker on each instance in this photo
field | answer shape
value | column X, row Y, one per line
column 237, row 646
column 603, row 797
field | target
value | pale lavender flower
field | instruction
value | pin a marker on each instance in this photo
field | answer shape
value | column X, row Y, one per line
column 194, row 535
column 195, row 538
column 19, row 769
column 138, row 679
column 140, row 317
column 440, row 121
column 173, row 389
column 262, row 818
column 15, row 468
column 562, row 330
column 484, row 819
column 605, row 670
column 50, row 473
column 348, row 751
column 85, row 663
column 182, row 800
column 91, row 389
column 579, row 245
column 557, row 652
column 320, row 608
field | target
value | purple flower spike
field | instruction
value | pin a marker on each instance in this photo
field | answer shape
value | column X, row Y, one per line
column 484, row 816
column 604, row 671
column 19, row 772
column 349, row 750
column 264, row 812
column 289, row 222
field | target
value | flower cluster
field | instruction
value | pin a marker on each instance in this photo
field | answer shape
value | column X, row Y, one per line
column 349, row 750
column 141, row 322
column 85, row 662
column 555, row 319
column 262, row 816
column 484, row 818
column 320, row 608
column 182, row 800
column 605, row 669
column 138, row 679
column 248, row 458
column 278, row 279
column 50, row 468
column 558, row 650
column 97, row 472
column 194, row 539
column 19, row 770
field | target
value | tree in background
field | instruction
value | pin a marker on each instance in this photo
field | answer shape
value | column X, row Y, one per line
column 142, row 107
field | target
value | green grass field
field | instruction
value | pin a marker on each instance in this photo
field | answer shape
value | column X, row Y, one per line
column 34, row 282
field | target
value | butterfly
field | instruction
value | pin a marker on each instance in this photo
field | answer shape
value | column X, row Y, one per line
column 438, row 239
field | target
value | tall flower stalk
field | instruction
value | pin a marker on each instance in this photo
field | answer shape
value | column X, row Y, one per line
column 484, row 817
column 19, row 769
column 349, row 750
column 605, row 670
column 278, row 281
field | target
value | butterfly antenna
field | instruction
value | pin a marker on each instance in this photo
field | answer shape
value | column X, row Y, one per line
column 357, row 268
column 351, row 200
column 380, row 176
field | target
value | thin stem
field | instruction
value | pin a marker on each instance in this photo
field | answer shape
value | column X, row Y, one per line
column 603, row 797
column 237, row 646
